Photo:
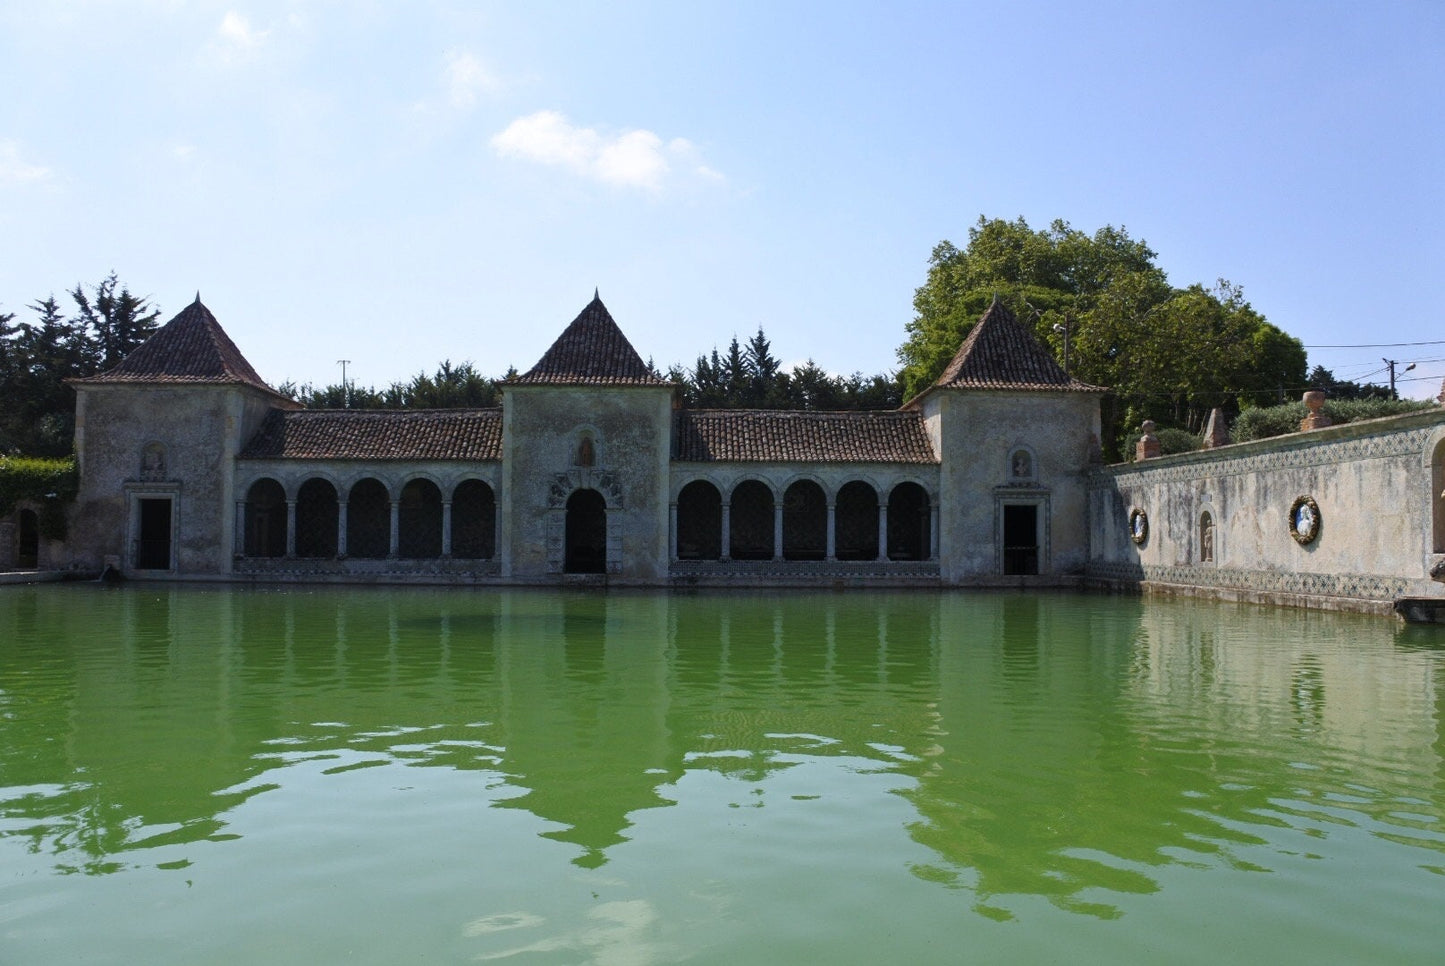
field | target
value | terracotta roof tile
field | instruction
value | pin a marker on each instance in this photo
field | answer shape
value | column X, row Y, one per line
column 350, row 434
column 592, row 351
column 1001, row 353
column 752, row 435
column 190, row 348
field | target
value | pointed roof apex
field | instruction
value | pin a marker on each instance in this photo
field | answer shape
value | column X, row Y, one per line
column 190, row 348
column 1001, row 353
column 592, row 351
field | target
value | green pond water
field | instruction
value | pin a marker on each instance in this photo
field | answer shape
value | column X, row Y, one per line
column 213, row 775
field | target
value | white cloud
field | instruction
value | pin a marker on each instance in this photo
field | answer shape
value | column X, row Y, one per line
column 634, row 159
column 467, row 78
column 16, row 170
column 236, row 39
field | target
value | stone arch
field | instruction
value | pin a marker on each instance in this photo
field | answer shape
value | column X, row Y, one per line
column 855, row 521
column 805, row 521
column 699, row 521
column 474, row 520
column 316, row 518
column 1206, row 537
column 909, row 522
column 27, row 539
column 265, row 519
column 750, row 534
column 368, row 519
column 585, row 539
column 419, row 520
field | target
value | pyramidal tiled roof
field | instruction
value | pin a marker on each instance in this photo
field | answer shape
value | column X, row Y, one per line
column 1001, row 353
column 190, row 348
column 751, row 435
column 592, row 351
column 352, row 434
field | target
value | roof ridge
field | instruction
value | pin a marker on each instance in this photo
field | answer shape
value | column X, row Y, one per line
column 591, row 351
column 1000, row 352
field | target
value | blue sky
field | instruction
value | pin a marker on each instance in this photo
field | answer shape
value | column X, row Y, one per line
column 401, row 183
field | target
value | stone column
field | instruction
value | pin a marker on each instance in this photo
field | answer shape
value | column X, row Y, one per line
column 446, row 528
column 778, row 530
column 672, row 530
column 932, row 531
column 882, row 530
column 832, row 537
column 727, row 531
column 340, row 529
column 395, row 545
column 290, row 528
column 240, row 548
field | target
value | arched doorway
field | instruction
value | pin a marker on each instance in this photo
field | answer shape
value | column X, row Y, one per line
column 420, row 521
column 586, row 540
column 751, row 531
column 908, row 523
column 266, row 519
column 474, row 521
column 805, row 522
column 27, row 549
column 699, row 522
column 368, row 520
column 856, row 522
column 316, row 519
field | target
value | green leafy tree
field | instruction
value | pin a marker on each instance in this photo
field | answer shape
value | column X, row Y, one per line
column 1167, row 353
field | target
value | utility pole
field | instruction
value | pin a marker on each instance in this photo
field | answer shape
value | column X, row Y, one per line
column 1392, row 363
column 345, row 386
column 1066, row 328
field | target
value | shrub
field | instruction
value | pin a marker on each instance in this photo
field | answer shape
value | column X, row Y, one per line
column 51, row 483
column 1264, row 422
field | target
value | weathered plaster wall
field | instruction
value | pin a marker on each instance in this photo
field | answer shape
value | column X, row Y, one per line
column 200, row 429
column 1372, row 481
column 978, row 435
column 631, row 429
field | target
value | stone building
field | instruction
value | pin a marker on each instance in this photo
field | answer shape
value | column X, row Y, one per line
column 192, row 467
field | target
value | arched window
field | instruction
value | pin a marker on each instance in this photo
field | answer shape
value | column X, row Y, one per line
column 586, row 451
column 586, row 538
column 908, row 522
column 1206, row 538
column 699, row 522
column 750, row 535
column 420, row 521
column 474, row 521
column 316, row 519
column 368, row 520
column 265, row 519
column 805, row 522
column 855, row 522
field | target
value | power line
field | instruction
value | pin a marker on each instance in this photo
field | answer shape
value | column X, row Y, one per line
column 1374, row 345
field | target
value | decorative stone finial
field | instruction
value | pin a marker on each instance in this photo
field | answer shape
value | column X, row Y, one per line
column 1313, row 400
column 1441, row 398
column 1148, row 446
column 1215, row 435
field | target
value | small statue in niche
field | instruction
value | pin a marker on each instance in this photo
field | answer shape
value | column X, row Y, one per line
column 153, row 462
column 586, row 452
column 1206, row 539
column 1023, row 465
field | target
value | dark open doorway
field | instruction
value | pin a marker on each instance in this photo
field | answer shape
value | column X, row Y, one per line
column 27, row 550
column 586, row 533
column 1021, row 539
column 153, row 549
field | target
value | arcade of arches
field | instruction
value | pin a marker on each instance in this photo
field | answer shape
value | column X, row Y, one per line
column 369, row 522
column 804, row 525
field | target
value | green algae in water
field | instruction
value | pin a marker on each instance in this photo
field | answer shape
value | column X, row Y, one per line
column 314, row 775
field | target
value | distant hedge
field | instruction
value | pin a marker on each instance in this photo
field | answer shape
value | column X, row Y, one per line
column 52, row 483
column 1265, row 422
